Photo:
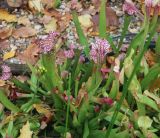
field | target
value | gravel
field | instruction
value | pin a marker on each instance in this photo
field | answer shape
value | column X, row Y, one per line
column 21, row 44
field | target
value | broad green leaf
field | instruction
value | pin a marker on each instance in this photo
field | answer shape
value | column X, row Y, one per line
column 124, row 30
column 60, row 129
column 7, row 103
column 82, row 38
column 51, row 76
column 147, row 101
column 10, row 128
column 21, row 85
column 114, row 90
column 139, row 38
column 86, row 130
column 152, row 75
column 144, row 122
column 123, row 134
column 83, row 112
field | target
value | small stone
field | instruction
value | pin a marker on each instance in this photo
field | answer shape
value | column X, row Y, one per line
column 62, row 6
column 133, row 30
column 30, row 17
column 37, row 27
column 119, row 13
column 13, row 48
column 16, row 10
column 22, row 12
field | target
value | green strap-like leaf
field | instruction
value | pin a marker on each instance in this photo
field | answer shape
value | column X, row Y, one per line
column 152, row 75
column 7, row 103
column 82, row 38
column 102, row 20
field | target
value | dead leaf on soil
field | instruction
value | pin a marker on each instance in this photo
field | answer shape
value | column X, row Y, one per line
column 4, row 15
column 2, row 83
column 85, row 20
column 30, row 54
column 14, row 3
column 51, row 26
column 24, row 32
column 150, row 58
column 22, row 78
column 5, row 32
column 43, row 109
column 4, row 44
column 48, row 3
column 52, row 13
column 45, row 19
column 24, row 21
column 155, row 85
column 36, row 5
column 64, row 21
column 111, row 20
column 9, row 55
column 25, row 132
column 74, row 4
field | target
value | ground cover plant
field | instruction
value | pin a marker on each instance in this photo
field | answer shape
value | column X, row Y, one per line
column 97, row 89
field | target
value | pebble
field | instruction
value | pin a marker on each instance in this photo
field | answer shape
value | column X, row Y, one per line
column 22, row 12
column 30, row 16
column 119, row 13
column 13, row 48
column 37, row 27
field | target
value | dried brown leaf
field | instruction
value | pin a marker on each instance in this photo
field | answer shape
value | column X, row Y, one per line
column 85, row 20
column 36, row 5
column 9, row 55
column 48, row 3
column 43, row 109
column 5, row 32
column 51, row 26
column 24, row 21
column 64, row 21
column 4, row 44
column 150, row 58
column 24, row 32
column 30, row 54
column 14, row 3
column 111, row 19
column 4, row 15
column 52, row 13
column 45, row 19
column 2, row 83
column 25, row 132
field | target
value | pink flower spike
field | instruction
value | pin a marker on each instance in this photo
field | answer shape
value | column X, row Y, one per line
column 53, row 34
column 99, row 49
column 148, row 3
column 82, row 59
column 129, row 7
column 5, row 76
column 48, row 43
column 72, row 46
column 69, row 53
column 5, row 68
